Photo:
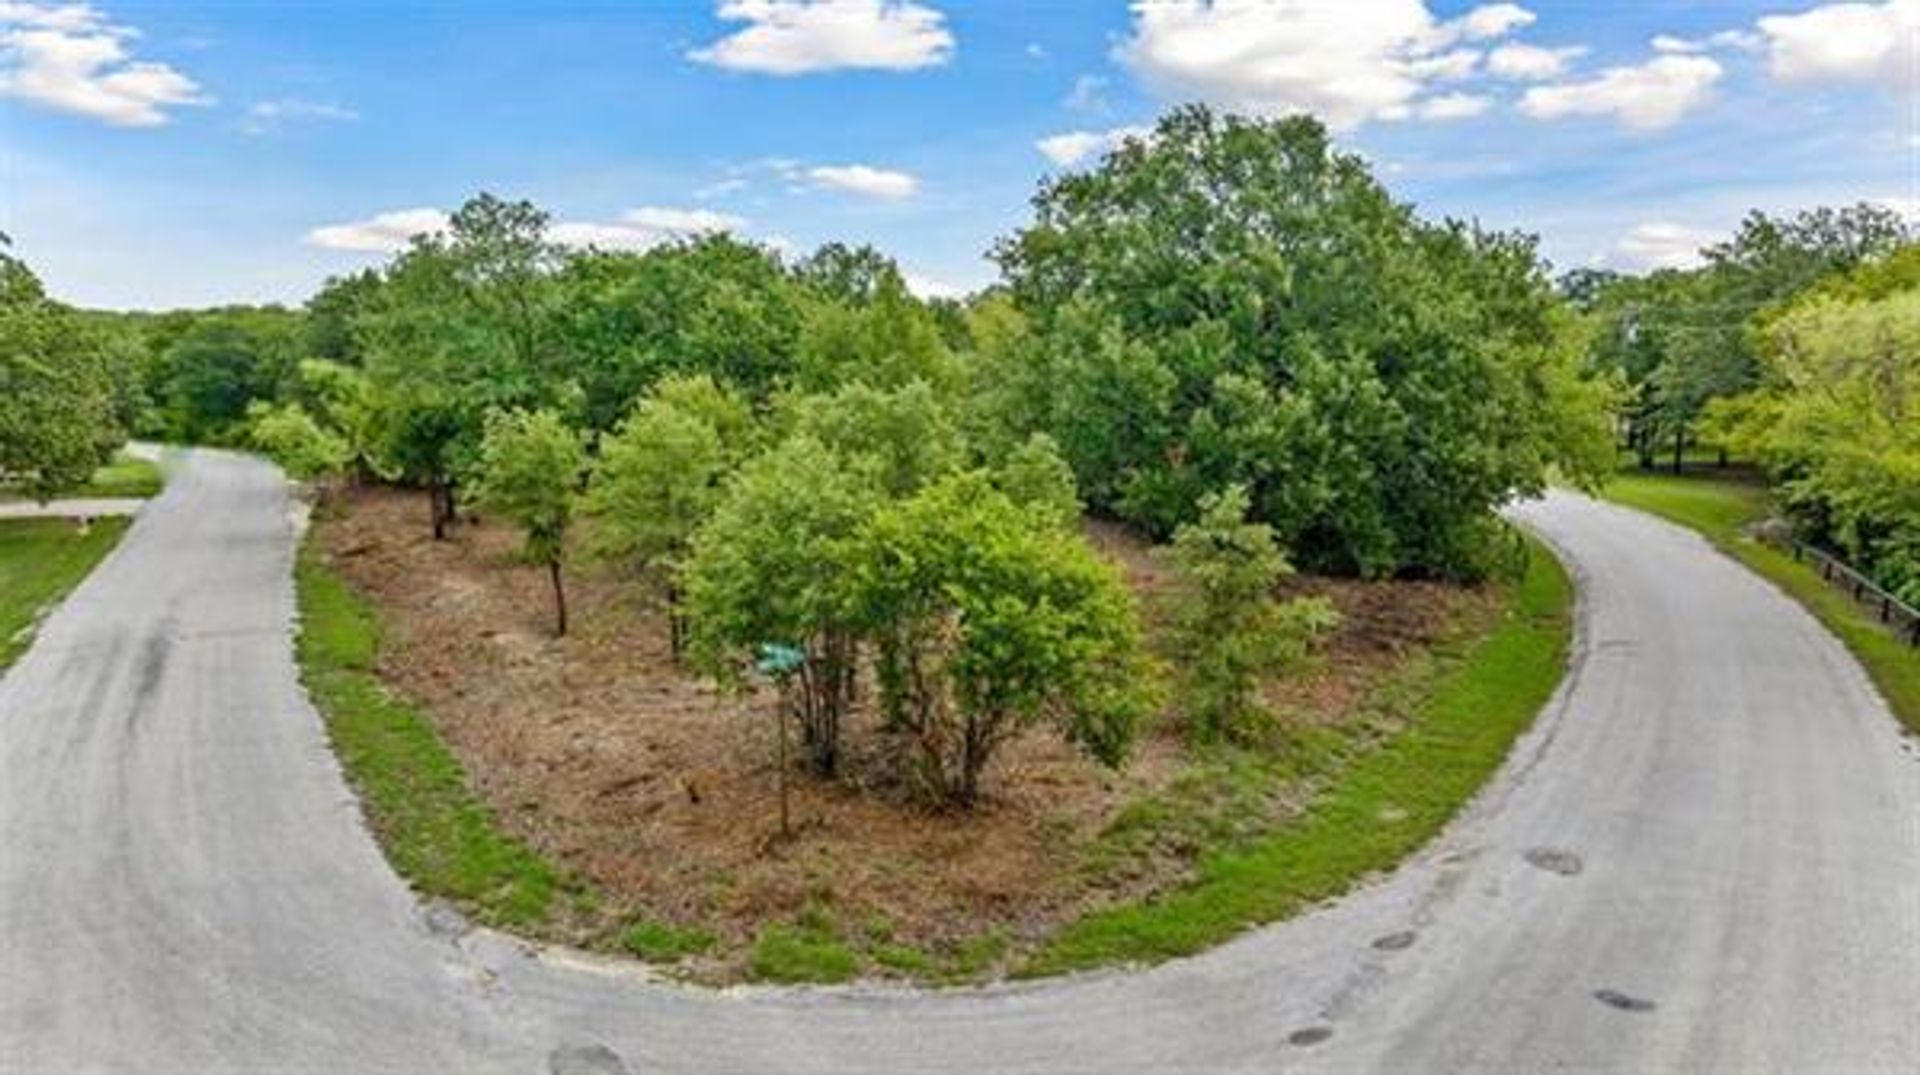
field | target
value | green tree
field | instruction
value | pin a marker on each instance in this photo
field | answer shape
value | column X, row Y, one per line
column 60, row 388
column 887, row 340
column 1228, row 629
column 773, row 565
column 1037, row 478
column 1406, row 377
column 1005, row 620
column 213, row 371
column 901, row 437
column 529, row 472
column 289, row 436
column 659, row 479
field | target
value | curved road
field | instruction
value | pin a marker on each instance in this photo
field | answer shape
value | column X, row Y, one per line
column 1704, row 857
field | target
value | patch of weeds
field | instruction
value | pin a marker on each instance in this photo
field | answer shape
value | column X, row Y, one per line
column 807, row 950
column 663, row 942
column 1377, row 802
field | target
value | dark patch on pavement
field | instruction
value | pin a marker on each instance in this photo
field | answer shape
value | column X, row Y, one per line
column 1395, row 942
column 149, row 669
column 1555, row 860
column 1312, row 1035
column 443, row 920
column 1613, row 998
column 586, row 1060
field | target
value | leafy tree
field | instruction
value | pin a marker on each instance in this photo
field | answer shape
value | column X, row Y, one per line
column 1228, row 630
column 60, row 388
column 341, row 399
column 1038, row 479
column 213, row 371
column 714, row 306
column 333, row 314
column 528, row 472
column 1404, row 378
column 288, row 435
column 659, row 479
column 900, row 437
column 460, row 326
column 848, row 275
column 1006, row 620
column 887, row 340
column 773, row 565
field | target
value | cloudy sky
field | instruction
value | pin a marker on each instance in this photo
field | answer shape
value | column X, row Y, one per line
column 197, row 152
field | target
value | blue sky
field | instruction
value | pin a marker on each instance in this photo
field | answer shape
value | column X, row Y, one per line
column 191, row 153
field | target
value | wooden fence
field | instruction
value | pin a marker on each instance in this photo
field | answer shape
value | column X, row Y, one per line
column 1901, row 618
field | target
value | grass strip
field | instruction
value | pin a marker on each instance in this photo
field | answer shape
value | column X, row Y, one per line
column 127, row 476
column 436, row 833
column 1721, row 510
column 41, row 561
column 1382, row 806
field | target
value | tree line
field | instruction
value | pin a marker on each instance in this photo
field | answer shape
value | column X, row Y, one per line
column 1796, row 345
column 1227, row 334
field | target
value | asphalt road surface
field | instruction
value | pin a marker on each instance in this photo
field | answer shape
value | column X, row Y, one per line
column 1704, row 857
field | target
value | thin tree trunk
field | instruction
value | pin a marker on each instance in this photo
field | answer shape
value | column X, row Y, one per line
column 559, row 598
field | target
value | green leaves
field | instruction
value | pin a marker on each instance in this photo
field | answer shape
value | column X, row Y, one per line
column 528, row 472
column 1233, row 301
column 61, row 387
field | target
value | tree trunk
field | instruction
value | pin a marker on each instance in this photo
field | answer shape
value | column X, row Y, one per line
column 1679, row 447
column 676, row 624
column 559, row 599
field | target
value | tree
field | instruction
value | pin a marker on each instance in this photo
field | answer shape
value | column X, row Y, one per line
column 1235, row 301
column 659, row 479
column 773, row 566
column 1035, row 477
column 460, row 326
column 901, row 437
column 219, row 366
column 1005, row 619
column 848, row 275
column 289, row 436
column 887, row 340
column 60, row 389
column 528, row 472
column 1228, row 630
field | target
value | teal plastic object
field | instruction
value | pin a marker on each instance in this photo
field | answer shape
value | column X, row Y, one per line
column 778, row 660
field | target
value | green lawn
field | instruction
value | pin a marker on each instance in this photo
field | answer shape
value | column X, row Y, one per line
column 1379, row 802
column 437, row 834
column 40, row 561
column 126, row 476
column 1720, row 509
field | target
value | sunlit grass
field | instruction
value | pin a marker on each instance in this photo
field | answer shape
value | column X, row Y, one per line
column 40, row 561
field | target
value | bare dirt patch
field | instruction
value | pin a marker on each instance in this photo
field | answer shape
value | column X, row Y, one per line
column 658, row 788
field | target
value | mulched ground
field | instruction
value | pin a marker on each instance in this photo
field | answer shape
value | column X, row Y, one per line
column 620, row 765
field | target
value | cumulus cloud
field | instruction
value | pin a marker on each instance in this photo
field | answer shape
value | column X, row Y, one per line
column 926, row 287
column 1645, row 97
column 1072, row 147
column 1662, row 244
column 864, row 180
column 636, row 229
column 1530, row 63
column 383, row 233
column 1846, row 42
column 72, row 58
column 795, row 37
column 1345, row 63
column 1737, row 40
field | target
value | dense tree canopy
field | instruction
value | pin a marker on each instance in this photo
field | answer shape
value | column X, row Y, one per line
column 1235, row 301
column 62, row 384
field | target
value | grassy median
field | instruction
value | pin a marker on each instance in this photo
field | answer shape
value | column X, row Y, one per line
column 1379, row 802
column 1721, row 509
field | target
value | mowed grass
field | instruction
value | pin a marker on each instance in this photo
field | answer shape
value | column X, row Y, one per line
column 1720, row 509
column 1373, row 810
column 437, row 834
column 41, row 560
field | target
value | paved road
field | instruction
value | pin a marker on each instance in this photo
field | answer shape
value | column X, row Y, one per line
column 1705, row 857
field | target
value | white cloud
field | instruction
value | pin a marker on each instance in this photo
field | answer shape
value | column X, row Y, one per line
column 1494, row 20
column 383, row 233
column 1736, row 40
column 1346, row 63
column 1906, row 207
column 865, row 180
column 794, row 37
column 1846, row 42
column 71, row 58
column 1652, row 95
column 927, row 287
column 1663, row 245
column 1530, row 63
column 636, row 229
column 1454, row 106
column 264, row 116
column 1072, row 147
